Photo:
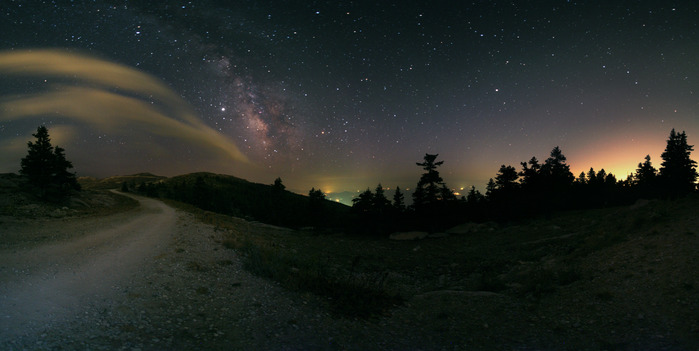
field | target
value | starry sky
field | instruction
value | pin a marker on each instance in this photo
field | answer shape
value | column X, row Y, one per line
column 343, row 95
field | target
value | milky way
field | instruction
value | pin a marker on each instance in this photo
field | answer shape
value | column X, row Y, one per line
column 344, row 95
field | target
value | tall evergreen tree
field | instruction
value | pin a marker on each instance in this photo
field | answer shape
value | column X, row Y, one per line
column 363, row 202
column 530, row 172
column 601, row 176
column 591, row 176
column 645, row 173
column 490, row 189
column 506, row 179
column 398, row 200
column 646, row 179
column 446, row 194
column 678, row 171
column 65, row 180
column 380, row 203
column 474, row 196
column 582, row 179
column 555, row 169
column 37, row 165
column 427, row 193
column 47, row 168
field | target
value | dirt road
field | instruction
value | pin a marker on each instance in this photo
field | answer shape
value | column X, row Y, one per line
column 50, row 284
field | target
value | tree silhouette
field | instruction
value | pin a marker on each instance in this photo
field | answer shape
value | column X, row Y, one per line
column 506, row 179
column 582, row 179
column 601, row 176
column 556, row 171
column 363, row 202
column 646, row 173
column 591, row 176
column 646, row 178
column 474, row 197
column 380, row 202
column 398, row 200
column 316, row 195
column 678, row 171
column 446, row 194
column 530, row 172
column 490, row 189
column 278, row 187
column 46, row 167
column 428, row 193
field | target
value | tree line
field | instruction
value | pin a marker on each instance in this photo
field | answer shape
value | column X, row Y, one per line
column 533, row 189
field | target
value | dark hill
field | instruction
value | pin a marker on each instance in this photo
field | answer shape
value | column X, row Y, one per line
column 238, row 197
column 116, row 182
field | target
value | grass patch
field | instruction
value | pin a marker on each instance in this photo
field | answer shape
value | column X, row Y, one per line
column 351, row 294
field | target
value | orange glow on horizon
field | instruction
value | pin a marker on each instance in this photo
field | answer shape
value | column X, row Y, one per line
column 618, row 157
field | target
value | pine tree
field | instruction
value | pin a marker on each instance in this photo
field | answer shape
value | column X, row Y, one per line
column 278, row 187
column 490, row 189
column 582, row 179
column 645, row 174
column 530, row 172
column 37, row 165
column 678, row 171
column 556, row 171
column 363, row 203
column 474, row 196
column 65, row 180
column 591, row 176
column 46, row 167
column 398, row 200
column 446, row 194
column 428, row 193
column 506, row 179
column 380, row 203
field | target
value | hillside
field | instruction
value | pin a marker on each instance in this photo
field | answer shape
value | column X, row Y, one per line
column 115, row 182
column 17, row 203
column 234, row 196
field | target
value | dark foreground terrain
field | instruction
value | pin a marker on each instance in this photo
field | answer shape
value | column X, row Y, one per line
column 621, row 278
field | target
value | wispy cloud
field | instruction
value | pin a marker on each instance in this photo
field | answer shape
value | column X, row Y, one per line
column 110, row 96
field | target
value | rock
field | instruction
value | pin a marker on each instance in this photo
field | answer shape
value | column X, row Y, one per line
column 408, row 235
column 438, row 235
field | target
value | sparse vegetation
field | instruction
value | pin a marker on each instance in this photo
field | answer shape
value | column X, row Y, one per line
column 365, row 276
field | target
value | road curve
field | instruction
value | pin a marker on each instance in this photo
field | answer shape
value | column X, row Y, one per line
column 48, row 285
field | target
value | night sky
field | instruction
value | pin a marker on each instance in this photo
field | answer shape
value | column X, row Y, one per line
column 343, row 95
